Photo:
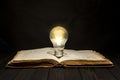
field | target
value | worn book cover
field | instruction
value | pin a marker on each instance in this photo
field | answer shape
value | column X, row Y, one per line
column 44, row 57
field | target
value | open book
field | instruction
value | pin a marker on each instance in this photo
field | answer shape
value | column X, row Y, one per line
column 44, row 57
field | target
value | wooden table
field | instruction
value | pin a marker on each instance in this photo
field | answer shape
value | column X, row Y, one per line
column 60, row 73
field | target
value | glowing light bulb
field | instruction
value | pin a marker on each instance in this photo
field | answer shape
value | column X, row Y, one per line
column 58, row 37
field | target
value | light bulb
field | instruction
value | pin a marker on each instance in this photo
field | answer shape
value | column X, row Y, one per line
column 58, row 37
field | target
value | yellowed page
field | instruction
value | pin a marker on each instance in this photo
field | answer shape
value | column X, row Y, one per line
column 34, row 54
column 81, row 55
column 48, row 53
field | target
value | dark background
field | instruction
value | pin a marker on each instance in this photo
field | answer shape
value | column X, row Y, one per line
column 92, row 24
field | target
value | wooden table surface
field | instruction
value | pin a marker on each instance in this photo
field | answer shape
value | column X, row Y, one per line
column 60, row 73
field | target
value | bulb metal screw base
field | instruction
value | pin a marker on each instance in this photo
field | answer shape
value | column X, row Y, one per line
column 58, row 53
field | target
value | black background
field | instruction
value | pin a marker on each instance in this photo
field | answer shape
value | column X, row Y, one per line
column 92, row 24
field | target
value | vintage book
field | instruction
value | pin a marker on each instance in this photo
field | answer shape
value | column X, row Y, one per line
column 44, row 57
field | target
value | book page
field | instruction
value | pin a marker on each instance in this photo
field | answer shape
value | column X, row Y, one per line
column 48, row 53
column 81, row 55
column 35, row 54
